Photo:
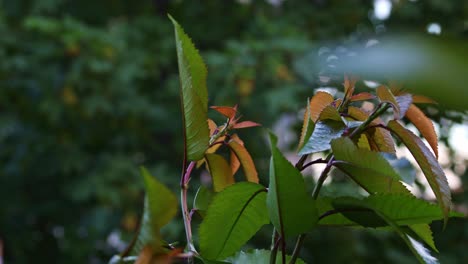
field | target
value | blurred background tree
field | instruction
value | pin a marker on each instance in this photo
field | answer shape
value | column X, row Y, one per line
column 89, row 91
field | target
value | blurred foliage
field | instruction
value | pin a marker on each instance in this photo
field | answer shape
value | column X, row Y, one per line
column 89, row 91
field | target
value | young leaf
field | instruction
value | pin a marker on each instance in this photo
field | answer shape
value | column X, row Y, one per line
column 258, row 256
column 367, row 168
column 424, row 125
column 385, row 95
column 349, row 84
column 318, row 102
column 245, row 159
column 233, row 217
column 194, row 95
column 323, row 133
column 307, row 127
column 381, row 140
column 227, row 111
column 291, row 209
column 361, row 97
column 428, row 163
column 160, row 207
column 424, row 232
column 363, row 142
column 245, row 124
column 220, row 172
column 420, row 99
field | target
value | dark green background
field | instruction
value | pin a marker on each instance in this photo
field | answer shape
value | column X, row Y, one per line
column 89, row 92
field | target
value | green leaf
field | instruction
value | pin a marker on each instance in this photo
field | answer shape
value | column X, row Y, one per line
column 428, row 163
column 233, row 217
column 292, row 211
column 379, row 215
column 194, row 95
column 220, row 171
column 160, row 208
column 323, row 133
column 424, row 232
column 367, row 168
column 258, row 256
column 202, row 200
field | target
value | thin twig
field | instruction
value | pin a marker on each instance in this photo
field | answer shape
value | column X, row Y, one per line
column 185, row 212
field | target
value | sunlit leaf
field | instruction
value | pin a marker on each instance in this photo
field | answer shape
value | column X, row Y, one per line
column 259, row 256
column 367, row 168
column 322, row 135
column 227, row 111
column 363, row 142
column 424, row 125
column 245, row 159
column 291, row 209
column 385, row 95
column 220, row 172
column 361, row 97
column 307, row 127
column 318, row 102
column 428, row 163
column 194, row 95
column 233, row 217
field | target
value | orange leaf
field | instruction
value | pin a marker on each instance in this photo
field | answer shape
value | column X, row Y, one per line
column 330, row 112
column 318, row 102
column 361, row 115
column 227, row 111
column 245, row 124
column 361, row 97
column 381, row 140
column 246, row 160
column 234, row 161
column 349, row 84
column 428, row 164
column 220, row 172
column 212, row 125
column 212, row 149
column 307, row 127
column 145, row 256
column 385, row 95
column 424, row 125
column 420, row 99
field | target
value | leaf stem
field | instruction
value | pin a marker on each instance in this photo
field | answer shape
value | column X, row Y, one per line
column 274, row 246
column 377, row 112
column 322, row 178
column 185, row 211
column 297, row 248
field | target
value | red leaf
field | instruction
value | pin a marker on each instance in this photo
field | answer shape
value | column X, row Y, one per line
column 349, row 83
column 245, row 124
column 424, row 125
column 307, row 127
column 227, row 111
